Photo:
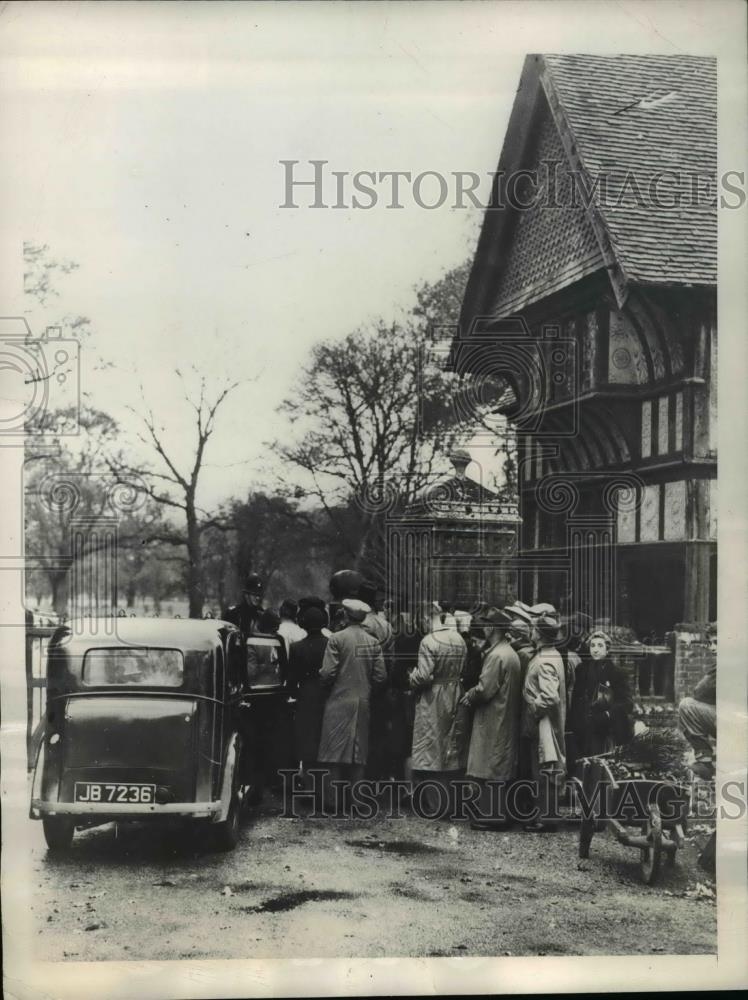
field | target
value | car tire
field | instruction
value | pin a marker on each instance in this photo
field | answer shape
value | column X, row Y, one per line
column 224, row 836
column 58, row 833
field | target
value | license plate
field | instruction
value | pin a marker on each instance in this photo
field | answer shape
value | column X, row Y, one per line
column 116, row 792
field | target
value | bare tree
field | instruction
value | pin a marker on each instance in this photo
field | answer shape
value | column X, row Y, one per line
column 358, row 404
column 175, row 488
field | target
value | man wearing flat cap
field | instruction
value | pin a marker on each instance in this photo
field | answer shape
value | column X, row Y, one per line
column 352, row 665
column 495, row 701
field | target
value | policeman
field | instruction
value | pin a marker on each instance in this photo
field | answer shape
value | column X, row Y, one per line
column 246, row 614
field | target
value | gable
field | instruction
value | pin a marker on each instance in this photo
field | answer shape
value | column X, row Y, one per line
column 550, row 246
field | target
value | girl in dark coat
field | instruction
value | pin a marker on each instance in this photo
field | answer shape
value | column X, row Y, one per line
column 602, row 706
column 304, row 665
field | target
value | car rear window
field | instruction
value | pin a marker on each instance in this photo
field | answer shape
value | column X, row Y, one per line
column 264, row 662
column 118, row 666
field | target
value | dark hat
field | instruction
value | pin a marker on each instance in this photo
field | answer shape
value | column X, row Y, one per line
column 549, row 626
column 312, row 602
column 345, row 583
column 268, row 621
column 253, row 584
column 493, row 618
column 313, row 619
column 367, row 592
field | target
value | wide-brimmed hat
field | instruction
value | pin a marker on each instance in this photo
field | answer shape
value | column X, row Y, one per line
column 493, row 618
column 356, row 610
column 542, row 609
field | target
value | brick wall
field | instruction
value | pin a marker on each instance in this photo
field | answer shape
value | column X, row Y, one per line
column 692, row 657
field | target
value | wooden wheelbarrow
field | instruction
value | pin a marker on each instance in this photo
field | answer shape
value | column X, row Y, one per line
column 644, row 813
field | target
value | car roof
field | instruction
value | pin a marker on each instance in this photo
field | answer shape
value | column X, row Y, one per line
column 173, row 633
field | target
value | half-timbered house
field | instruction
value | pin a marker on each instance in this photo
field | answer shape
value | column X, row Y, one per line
column 593, row 292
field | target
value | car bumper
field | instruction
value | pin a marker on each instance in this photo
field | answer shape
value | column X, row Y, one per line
column 195, row 810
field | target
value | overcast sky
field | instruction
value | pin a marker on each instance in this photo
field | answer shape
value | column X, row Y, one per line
column 144, row 142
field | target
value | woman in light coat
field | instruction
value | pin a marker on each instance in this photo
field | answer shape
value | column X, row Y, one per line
column 544, row 718
column 439, row 725
column 351, row 666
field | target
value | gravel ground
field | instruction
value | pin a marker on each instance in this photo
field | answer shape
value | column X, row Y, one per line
column 317, row 888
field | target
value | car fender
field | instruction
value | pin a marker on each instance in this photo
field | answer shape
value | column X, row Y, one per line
column 231, row 762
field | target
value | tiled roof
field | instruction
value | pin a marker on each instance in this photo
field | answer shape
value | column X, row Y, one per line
column 638, row 116
column 619, row 121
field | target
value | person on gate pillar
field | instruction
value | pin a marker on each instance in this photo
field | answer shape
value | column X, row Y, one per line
column 698, row 719
column 544, row 718
column 495, row 701
column 353, row 664
column 440, row 721
column 245, row 615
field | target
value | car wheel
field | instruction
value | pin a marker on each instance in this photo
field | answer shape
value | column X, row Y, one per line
column 58, row 832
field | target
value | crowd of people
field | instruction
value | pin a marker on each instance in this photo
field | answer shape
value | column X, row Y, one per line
column 500, row 696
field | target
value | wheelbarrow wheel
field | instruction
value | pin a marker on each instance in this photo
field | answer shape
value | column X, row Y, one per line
column 586, row 832
column 651, row 855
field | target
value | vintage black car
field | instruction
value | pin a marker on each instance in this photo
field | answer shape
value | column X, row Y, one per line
column 144, row 720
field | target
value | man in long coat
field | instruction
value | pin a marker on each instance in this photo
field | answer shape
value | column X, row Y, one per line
column 353, row 663
column 440, row 722
column 496, row 700
column 544, row 718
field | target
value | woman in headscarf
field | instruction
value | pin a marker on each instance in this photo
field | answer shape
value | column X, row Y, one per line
column 601, row 706
column 304, row 664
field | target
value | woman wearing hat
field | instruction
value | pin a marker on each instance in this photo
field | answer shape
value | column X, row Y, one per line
column 304, row 665
column 601, row 710
column 495, row 701
column 544, row 717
